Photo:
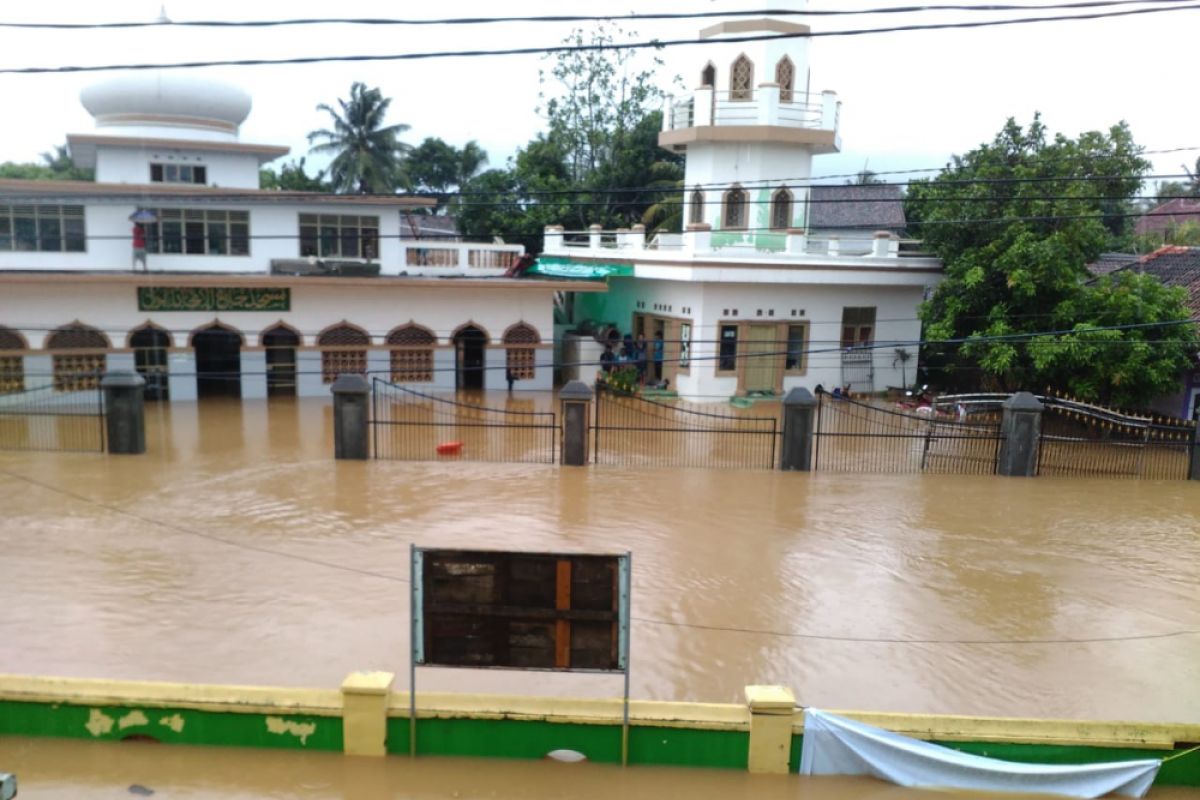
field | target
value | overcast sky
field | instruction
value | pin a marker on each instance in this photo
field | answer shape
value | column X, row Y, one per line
column 909, row 99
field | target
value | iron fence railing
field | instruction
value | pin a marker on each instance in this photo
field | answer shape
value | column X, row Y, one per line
column 42, row 418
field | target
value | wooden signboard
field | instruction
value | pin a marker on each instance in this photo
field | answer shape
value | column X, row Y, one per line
column 512, row 610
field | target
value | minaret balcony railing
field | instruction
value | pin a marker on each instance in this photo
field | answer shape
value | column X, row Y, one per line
column 762, row 106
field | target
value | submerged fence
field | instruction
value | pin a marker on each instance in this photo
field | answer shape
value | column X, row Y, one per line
column 856, row 436
column 636, row 431
column 1081, row 440
column 416, row 426
column 44, row 418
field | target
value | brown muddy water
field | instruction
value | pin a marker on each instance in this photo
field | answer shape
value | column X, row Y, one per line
column 69, row 770
column 238, row 551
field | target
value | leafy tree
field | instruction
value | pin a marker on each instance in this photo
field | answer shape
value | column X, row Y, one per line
column 437, row 167
column 367, row 155
column 292, row 177
column 56, row 166
column 1015, row 252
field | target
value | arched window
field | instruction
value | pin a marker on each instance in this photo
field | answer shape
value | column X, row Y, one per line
column 280, row 342
column 741, row 78
column 521, row 341
column 708, row 77
column 12, row 365
column 82, row 368
column 412, row 354
column 785, row 76
column 150, row 344
column 696, row 208
column 734, row 207
column 343, row 351
column 781, row 209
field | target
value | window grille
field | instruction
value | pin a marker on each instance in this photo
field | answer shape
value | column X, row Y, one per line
column 741, row 79
column 412, row 354
column 708, row 78
column 12, row 367
column 347, row 358
column 781, row 209
column 785, row 76
column 521, row 353
column 696, row 208
column 735, row 208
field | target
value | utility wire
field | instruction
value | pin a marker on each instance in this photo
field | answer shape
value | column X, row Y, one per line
column 642, row 45
column 559, row 18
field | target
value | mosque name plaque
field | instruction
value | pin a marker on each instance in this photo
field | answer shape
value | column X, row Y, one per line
column 205, row 298
column 515, row 610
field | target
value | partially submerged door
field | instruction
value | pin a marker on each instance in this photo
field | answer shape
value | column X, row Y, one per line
column 762, row 359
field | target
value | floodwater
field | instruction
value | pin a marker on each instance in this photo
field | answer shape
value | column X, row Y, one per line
column 238, row 551
column 50, row 769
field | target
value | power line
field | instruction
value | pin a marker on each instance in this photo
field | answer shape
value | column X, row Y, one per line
column 642, row 45
column 559, row 18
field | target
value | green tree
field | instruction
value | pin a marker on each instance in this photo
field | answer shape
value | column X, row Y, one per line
column 56, row 166
column 1015, row 248
column 438, row 168
column 292, row 177
column 367, row 155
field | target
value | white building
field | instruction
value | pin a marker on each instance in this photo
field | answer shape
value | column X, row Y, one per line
column 243, row 291
column 756, row 295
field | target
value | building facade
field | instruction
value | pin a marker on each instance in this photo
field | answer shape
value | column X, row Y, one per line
column 761, row 292
column 173, row 262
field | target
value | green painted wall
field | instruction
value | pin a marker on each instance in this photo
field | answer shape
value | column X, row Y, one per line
column 601, row 743
column 113, row 723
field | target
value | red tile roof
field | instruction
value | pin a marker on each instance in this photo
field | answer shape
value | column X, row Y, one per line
column 1173, row 212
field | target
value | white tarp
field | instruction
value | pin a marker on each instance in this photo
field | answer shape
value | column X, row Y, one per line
column 835, row 745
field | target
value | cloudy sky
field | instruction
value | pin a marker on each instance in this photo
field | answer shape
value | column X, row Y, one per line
column 909, row 99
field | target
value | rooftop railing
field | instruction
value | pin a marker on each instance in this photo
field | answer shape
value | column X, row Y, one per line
column 766, row 105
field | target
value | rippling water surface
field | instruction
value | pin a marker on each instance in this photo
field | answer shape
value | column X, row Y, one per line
column 238, row 551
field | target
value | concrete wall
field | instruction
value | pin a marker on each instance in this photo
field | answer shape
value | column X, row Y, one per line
column 132, row 165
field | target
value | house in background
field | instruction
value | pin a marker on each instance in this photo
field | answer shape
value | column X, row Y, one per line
column 242, row 291
column 1174, row 212
column 773, row 283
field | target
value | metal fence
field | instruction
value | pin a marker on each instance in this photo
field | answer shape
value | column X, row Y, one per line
column 1080, row 440
column 855, row 436
column 636, row 431
column 415, row 426
column 45, row 419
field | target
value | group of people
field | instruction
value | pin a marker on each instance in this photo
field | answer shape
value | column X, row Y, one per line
column 637, row 353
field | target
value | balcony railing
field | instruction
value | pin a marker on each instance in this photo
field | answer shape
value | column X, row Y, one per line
column 767, row 105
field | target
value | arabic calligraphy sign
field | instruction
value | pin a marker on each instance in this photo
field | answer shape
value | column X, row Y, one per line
column 204, row 298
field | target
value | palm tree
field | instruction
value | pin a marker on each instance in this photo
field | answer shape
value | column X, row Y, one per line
column 471, row 159
column 368, row 157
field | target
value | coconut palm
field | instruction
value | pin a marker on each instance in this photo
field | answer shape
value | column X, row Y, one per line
column 367, row 157
column 471, row 159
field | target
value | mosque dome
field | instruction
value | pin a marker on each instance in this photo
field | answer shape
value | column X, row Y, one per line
column 163, row 99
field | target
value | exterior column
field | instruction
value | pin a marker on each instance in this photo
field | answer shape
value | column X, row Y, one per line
column 637, row 237
column 365, row 697
column 254, row 374
column 553, row 238
column 594, row 234
column 576, row 400
column 351, row 439
column 1020, row 430
column 125, row 412
column 796, row 241
column 697, row 238
column 768, row 103
column 772, row 709
column 702, row 107
column 799, row 422
column 1194, row 457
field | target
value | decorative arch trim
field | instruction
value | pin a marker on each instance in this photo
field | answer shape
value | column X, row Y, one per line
column 708, row 76
column 148, row 325
column 215, row 325
column 77, row 336
column 396, row 334
column 12, row 339
column 521, row 333
column 741, row 78
column 262, row 336
column 782, row 202
column 487, row 337
column 350, row 335
column 785, row 76
column 734, row 207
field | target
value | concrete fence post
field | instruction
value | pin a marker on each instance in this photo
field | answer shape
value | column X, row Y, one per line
column 576, row 399
column 772, row 709
column 799, row 425
column 1020, row 433
column 365, row 697
column 125, row 412
column 351, row 439
column 1194, row 456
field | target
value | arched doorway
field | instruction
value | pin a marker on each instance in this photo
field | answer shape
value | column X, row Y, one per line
column 469, row 349
column 281, row 343
column 218, row 362
column 150, row 358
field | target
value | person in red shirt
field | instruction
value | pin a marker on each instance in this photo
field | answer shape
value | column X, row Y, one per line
column 139, row 245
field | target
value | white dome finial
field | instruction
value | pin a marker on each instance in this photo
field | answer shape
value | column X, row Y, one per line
column 162, row 14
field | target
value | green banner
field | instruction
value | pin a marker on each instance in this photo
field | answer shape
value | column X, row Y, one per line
column 203, row 298
column 555, row 267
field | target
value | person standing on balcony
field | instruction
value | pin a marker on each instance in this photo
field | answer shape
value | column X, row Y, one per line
column 139, row 246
